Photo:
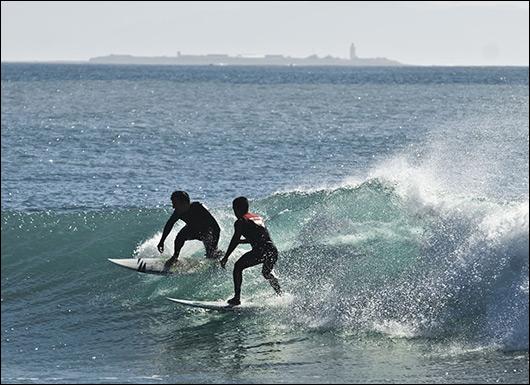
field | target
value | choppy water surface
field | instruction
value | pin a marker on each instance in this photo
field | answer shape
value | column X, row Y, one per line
column 398, row 198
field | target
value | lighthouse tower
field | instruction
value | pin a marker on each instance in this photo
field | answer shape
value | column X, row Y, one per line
column 353, row 54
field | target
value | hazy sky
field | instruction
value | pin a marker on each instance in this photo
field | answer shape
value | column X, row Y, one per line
column 444, row 33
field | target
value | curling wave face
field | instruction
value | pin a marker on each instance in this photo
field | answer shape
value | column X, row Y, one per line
column 384, row 255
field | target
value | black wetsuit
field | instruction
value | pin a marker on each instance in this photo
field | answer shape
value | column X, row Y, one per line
column 251, row 226
column 200, row 225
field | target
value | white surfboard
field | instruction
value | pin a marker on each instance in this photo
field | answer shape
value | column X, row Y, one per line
column 219, row 306
column 156, row 265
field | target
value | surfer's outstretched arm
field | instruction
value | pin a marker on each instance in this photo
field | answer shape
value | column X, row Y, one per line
column 167, row 229
column 236, row 239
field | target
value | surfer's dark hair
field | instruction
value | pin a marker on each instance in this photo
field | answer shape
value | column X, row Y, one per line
column 180, row 196
column 240, row 204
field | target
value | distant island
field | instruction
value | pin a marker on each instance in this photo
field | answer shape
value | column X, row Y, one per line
column 221, row 59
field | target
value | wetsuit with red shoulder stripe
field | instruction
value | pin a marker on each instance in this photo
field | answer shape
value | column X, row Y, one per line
column 252, row 227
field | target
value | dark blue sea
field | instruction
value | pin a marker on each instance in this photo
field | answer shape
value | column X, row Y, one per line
column 397, row 197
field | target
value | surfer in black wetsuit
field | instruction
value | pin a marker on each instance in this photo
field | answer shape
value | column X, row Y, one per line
column 200, row 224
column 252, row 228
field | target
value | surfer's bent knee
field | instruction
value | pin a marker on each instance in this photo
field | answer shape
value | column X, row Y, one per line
column 238, row 266
column 179, row 242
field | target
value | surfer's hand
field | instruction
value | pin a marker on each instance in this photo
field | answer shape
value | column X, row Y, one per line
column 223, row 262
column 160, row 247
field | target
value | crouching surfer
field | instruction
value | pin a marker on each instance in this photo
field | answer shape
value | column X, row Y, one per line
column 200, row 225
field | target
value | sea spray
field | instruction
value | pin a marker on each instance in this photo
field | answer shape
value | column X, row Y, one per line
column 372, row 257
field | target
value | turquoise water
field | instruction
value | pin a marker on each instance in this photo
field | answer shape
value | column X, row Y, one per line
column 398, row 199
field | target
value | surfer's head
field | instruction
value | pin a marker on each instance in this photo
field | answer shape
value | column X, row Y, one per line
column 180, row 200
column 240, row 205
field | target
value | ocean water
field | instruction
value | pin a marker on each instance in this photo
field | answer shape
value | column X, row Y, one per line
column 398, row 198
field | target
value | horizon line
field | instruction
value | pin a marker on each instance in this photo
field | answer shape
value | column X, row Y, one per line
column 87, row 61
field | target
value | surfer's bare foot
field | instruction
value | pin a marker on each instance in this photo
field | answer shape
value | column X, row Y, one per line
column 170, row 262
column 234, row 301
